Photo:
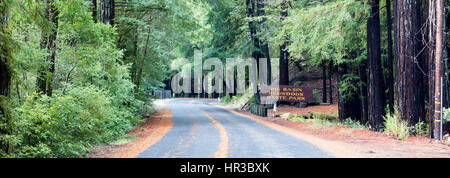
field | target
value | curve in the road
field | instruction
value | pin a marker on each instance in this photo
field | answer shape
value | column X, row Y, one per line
column 201, row 130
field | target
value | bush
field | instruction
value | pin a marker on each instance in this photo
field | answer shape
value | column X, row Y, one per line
column 226, row 99
column 316, row 98
column 66, row 125
column 420, row 129
column 396, row 127
column 354, row 124
column 296, row 118
column 446, row 115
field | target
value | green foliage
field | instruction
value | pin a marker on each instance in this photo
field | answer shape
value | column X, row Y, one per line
column 396, row 127
column 67, row 125
column 446, row 115
column 93, row 100
column 325, row 120
column 331, row 31
column 401, row 129
column 316, row 98
column 226, row 99
column 296, row 118
column 421, row 129
column 354, row 124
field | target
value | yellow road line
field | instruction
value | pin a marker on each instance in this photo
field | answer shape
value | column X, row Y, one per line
column 223, row 145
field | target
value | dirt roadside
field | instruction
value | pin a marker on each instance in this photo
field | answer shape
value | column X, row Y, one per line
column 343, row 141
column 147, row 134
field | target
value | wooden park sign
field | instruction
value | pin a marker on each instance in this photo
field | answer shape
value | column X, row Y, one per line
column 272, row 94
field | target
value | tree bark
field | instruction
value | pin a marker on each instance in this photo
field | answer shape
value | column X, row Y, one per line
column 5, row 71
column 264, row 47
column 408, row 74
column 141, row 68
column 446, row 53
column 438, row 60
column 431, row 54
column 94, row 10
column 284, row 54
column 364, row 93
column 351, row 106
column 256, row 54
column 390, row 81
column 250, row 14
column 375, row 80
column 48, row 43
column 324, row 87
column 330, row 75
column 107, row 11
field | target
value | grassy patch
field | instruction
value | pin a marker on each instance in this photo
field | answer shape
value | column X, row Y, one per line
column 124, row 140
column 399, row 128
column 396, row 127
column 345, row 131
column 324, row 120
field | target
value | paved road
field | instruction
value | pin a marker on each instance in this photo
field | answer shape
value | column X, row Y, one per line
column 202, row 130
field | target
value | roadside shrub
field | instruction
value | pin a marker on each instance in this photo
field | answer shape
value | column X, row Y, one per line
column 354, row 124
column 396, row 127
column 321, row 116
column 296, row 118
column 446, row 115
column 420, row 129
column 316, row 98
column 66, row 126
column 323, row 120
column 226, row 99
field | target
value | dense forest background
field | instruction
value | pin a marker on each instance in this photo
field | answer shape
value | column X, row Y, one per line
column 74, row 73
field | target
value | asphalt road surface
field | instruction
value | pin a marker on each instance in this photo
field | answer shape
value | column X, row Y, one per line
column 202, row 130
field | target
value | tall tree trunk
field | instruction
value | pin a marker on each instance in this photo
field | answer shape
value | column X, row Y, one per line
column 94, row 10
column 421, row 64
column 284, row 54
column 375, row 81
column 324, row 87
column 342, row 109
column 250, row 14
column 48, row 43
column 256, row 54
column 113, row 12
column 446, row 54
column 5, row 71
column 349, row 107
column 107, row 11
column 330, row 75
column 390, row 66
column 438, row 60
column 408, row 76
column 363, row 92
column 141, row 68
column 431, row 39
column 264, row 46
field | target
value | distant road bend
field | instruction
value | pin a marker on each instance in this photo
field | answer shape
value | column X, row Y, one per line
column 202, row 130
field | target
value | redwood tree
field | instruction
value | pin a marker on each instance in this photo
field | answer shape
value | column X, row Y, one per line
column 284, row 54
column 390, row 61
column 408, row 74
column 324, row 83
column 255, row 8
column 48, row 43
column 5, row 71
column 107, row 11
column 264, row 46
column 375, row 80
column 94, row 10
